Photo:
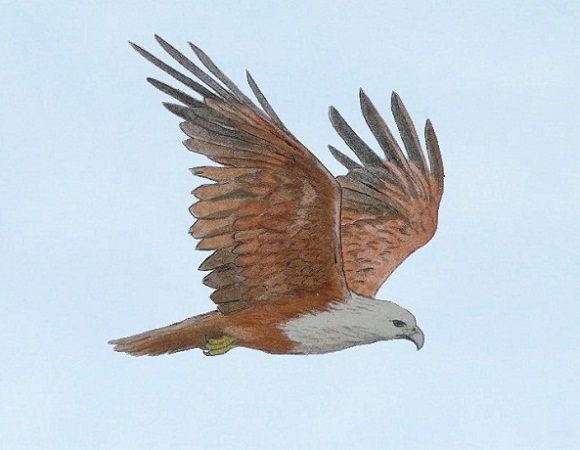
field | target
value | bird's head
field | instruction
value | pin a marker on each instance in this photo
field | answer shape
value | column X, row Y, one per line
column 398, row 323
column 406, row 328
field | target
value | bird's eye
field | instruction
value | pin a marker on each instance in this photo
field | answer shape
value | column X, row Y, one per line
column 399, row 323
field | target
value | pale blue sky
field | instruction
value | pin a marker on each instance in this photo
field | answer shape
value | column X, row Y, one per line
column 94, row 195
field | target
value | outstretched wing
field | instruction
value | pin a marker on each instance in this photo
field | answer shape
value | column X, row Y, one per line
column 272, row 215
column 389, row 206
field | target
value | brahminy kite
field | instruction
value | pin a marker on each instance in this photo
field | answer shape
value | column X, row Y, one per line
column 298, row 255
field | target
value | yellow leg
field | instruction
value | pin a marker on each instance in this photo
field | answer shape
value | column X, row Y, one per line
column 218, row 346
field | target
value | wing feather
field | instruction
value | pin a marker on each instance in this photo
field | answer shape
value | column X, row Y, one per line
column 265, row 104
column 408, row 133
column 390, row 206
column 353, row 140
column 272, row 214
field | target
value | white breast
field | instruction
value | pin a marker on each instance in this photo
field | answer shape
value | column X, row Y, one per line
column 359, row 320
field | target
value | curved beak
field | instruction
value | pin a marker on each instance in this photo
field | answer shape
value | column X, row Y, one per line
column 417, row 337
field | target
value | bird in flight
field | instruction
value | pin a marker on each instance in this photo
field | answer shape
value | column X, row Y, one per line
column 297, row 254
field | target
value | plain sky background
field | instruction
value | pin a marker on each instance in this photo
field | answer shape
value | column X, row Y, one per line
column 94, row 193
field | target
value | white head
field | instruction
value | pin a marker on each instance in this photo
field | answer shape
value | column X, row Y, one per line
column 397, row 323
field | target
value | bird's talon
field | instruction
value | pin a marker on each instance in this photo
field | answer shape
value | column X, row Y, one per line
column 218, row 346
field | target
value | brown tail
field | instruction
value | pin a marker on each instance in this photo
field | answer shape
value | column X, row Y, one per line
column 191, row 333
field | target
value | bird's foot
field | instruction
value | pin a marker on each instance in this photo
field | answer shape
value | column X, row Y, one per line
column 218, row 346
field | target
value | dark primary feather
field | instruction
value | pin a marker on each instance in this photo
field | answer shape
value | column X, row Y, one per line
column 381, row 131
column 343, row 159
column 350, row 138
column 194, row 69
column 208, row 63
column 408, row 132
column 264, row 103
column 181, row 96
column 435, row 159
column 194, row 85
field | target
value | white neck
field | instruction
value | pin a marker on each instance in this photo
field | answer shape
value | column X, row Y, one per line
column 358, row 320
